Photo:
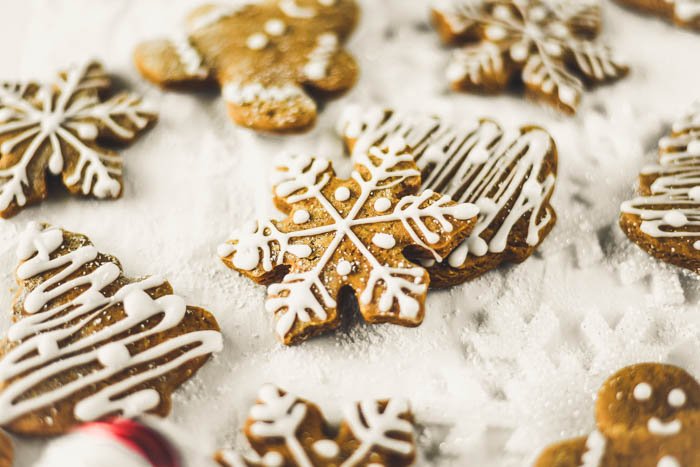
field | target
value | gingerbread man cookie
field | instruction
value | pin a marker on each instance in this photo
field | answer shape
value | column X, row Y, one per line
column 685, row 13
column 664, row 219
column 6, row 451
column 265, row 55
column 348, row 235
column 647, row 416
column 551, row 50
column 58, row 128
column 88, row 342
column 508, row 174
column 286, row 430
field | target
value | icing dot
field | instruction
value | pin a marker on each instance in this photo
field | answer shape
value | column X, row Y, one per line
column 86, row 131
column 342, row 193
column 300, row 250
column 273, row 459
column 47, row 346
column 696, row 245
column 642, row 391
column 383, row 240
column 532, row 189
column 113, row 355
column 326, row 448
column 275, row 27
column 382, row 204
column 455, row 72
column 694, row 193
column 478, row 156
column 246, row 259
column 256, row 41
column 668, row 461
column 676, row 398
column 675, row 219
column 344, row 268
column 301, row 216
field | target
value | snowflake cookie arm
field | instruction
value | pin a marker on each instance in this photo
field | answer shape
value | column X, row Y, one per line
column 455, row 20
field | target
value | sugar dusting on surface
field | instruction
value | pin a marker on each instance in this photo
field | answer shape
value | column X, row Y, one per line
column 501, row 366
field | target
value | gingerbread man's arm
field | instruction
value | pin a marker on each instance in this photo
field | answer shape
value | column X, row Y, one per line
column 564, row 454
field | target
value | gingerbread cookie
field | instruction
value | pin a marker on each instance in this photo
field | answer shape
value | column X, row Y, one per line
column 551, row 50
column 664, row 220
column 509, row 175
column 6, row 451
column 348, row 235
column 647, row 416
column 265, row 55
column 59, row 128
column 685, row 13
column 88, row 342
column 286, row 430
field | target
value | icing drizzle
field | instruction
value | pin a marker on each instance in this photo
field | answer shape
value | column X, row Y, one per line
column 67, row 113
column 41, row 354
column 672, row 208
column 478, row 163
column 304, row 292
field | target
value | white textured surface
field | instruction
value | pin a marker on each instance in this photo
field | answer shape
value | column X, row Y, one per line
column 502, row 365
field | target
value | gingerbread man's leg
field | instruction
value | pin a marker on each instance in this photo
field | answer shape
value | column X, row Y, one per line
column 565, row 454
column 331, row 74
column 172, row 63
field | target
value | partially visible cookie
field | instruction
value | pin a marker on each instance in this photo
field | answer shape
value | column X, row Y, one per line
column 647, row 416
column 267, row 55
column 346, row 241
column 6, row 451
column 664, row 220
column 60, row 128
column 285, row 430
column 546, row 44
column 685, row 13
column 508, row 174
column 89, row 343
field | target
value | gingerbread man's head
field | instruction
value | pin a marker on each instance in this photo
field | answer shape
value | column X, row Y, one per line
column 267, row 56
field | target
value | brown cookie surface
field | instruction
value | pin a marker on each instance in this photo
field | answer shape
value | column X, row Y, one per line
column 88, row 342
column 509, row 175
column 548, row 45
column 58, row 128
column 266, row 56
column 6, row 451
column 286, row 430
column 685, row 13
column 343, row 237
column 647, row 415
column 664, row 220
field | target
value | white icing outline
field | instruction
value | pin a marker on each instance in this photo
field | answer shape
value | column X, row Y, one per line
column 40, row 332
column 54, row 116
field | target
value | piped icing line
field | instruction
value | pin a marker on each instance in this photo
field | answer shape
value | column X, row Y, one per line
column 320, row 57
column 294, row 298
column 595, row 450
column 468, row 163
column 189, row 56
column 38, row 354
column 54, row 117
column 249, row 93
column 672, row 209
column 292, row 9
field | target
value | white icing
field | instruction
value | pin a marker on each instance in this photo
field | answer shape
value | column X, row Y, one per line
column 642, row 391
column 676, row 398
column 277, row 416
column 595, row 450
column 383, row 240
column 300, row 216
column 344, row 267
column 242, row 94
column 257, row 41
column 672, row 209
column 382, row 204
column 39, row 331
column 188, row 55
column 304, row 293
column 659, row 428
column 342, row 193
column 58, row 120
column 687, row 10
column 320, row 57
column 275, row 27
column 293, row 10
column 445, row 153
column 668, row 461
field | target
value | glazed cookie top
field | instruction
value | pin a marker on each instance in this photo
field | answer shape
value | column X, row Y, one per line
column 59, row 128
column 87, row 342
column 263, row 53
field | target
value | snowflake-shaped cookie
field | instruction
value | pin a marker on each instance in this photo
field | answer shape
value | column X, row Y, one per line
column 264, row 54
column 286, row 430
column 348, row 234
column 548, row 48
column 684, row 13
column 664, row 219
column 88, row 342
column 57, row 127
